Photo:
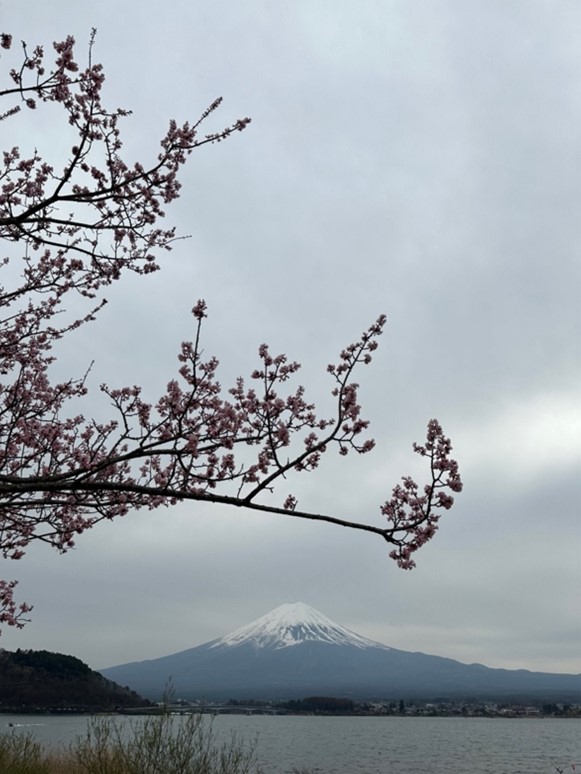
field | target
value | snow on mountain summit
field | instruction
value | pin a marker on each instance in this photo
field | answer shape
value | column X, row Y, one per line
column 293, row 624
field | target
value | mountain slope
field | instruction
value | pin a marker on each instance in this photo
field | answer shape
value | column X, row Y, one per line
column 295, row 651
column 38, row 679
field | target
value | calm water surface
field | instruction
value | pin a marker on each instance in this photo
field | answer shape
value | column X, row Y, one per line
column 388, row 745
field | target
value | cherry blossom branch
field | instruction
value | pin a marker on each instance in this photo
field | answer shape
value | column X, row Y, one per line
column 77, row 227
column 183, row 448
column 11, row 613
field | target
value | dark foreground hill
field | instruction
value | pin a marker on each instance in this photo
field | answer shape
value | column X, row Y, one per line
column 295, row 651
column 32, row 680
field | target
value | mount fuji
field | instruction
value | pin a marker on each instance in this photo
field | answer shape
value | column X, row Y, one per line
column 295, row 651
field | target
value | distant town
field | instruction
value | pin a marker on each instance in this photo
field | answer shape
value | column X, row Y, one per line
column 325, row 705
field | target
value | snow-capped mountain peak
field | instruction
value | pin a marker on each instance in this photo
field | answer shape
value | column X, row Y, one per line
column 293, row 624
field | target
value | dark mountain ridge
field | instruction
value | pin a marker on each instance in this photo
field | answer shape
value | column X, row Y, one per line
column 32, row 680
column 294, row 651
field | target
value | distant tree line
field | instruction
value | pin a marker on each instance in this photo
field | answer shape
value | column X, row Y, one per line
column 557, row 709
column 326, row 704
column 54, row 663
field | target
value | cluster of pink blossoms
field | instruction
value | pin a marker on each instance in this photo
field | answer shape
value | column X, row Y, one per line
column 413, row 515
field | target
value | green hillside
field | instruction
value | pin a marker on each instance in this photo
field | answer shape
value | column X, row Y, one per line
column 37, row 680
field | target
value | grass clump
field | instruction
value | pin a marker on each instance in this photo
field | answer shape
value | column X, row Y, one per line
column 22, row 755
column 158, row 744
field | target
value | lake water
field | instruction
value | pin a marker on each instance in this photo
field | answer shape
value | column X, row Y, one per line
column 376, row 745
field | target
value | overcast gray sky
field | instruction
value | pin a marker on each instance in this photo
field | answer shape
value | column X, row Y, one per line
column 420, row 159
